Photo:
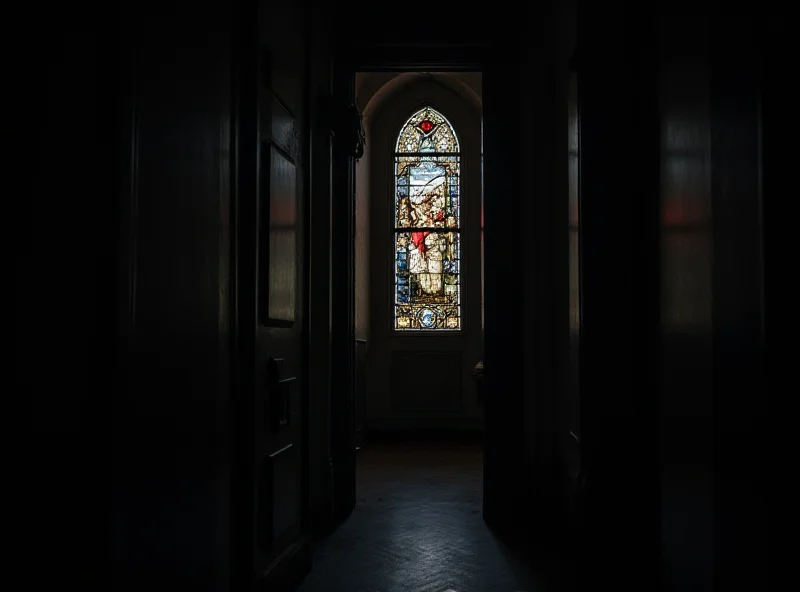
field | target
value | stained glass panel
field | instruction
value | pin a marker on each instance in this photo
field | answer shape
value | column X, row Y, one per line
column 427, row 225
column 427, row 280
column 427, row 191
column 427, row 131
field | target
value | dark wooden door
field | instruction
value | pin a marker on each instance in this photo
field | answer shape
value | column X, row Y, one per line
column 279, row 347
column 271, row 246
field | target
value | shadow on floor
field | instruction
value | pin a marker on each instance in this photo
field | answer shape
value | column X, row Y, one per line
column 418, row 527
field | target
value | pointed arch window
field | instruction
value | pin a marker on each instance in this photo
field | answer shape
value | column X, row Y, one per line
column 427, row 232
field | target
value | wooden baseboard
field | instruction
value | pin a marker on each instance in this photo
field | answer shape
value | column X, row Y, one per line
column 288, row 570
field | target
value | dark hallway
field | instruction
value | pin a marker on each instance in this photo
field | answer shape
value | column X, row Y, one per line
column 417, row 527
column 187, row 338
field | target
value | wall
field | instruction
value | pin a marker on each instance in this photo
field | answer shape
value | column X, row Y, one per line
column 363, row 250
column 171, row 439
column 672, row 277
column 62, row 280
column 619, row 158
column 566, row 298
column 686, row 321
column 385, row 114
column 362, row 273
column 711, row 294
column 549, row 377
column 570, row 400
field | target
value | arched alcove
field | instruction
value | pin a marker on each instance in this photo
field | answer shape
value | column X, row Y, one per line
column 421, row 378
column 372, row 88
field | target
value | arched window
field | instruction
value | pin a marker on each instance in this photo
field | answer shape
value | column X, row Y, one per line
column 427, row 294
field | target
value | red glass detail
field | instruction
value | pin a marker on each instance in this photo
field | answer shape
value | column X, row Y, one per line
column 426, row 126
column 418, row 238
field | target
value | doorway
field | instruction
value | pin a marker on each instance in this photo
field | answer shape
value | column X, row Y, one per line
column 516, row 426
column 418, row 324
column 418, row 254
column 507, row 415
column 419, row 461
column 418, row 287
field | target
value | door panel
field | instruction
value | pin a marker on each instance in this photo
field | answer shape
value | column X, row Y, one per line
column 279, row 347
column 278, row 239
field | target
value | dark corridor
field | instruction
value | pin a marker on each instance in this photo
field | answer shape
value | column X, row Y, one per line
column 151, row 141
column 417, row 526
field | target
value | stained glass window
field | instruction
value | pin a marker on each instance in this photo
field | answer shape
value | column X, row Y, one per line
column 427, row 291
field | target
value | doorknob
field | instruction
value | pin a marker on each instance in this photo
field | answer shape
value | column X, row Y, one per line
column 279, row 400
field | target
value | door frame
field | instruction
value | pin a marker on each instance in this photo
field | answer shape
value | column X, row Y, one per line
column 243, row 274
column 342, row 245
column 505, row 405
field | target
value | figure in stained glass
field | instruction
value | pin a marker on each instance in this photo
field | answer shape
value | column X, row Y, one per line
column 427, row 282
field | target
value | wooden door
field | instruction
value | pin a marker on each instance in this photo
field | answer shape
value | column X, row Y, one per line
column 271, row 246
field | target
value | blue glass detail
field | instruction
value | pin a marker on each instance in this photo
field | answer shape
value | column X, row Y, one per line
column 427, row 318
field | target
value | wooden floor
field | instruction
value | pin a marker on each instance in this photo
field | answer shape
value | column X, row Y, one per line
column 417, row 527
